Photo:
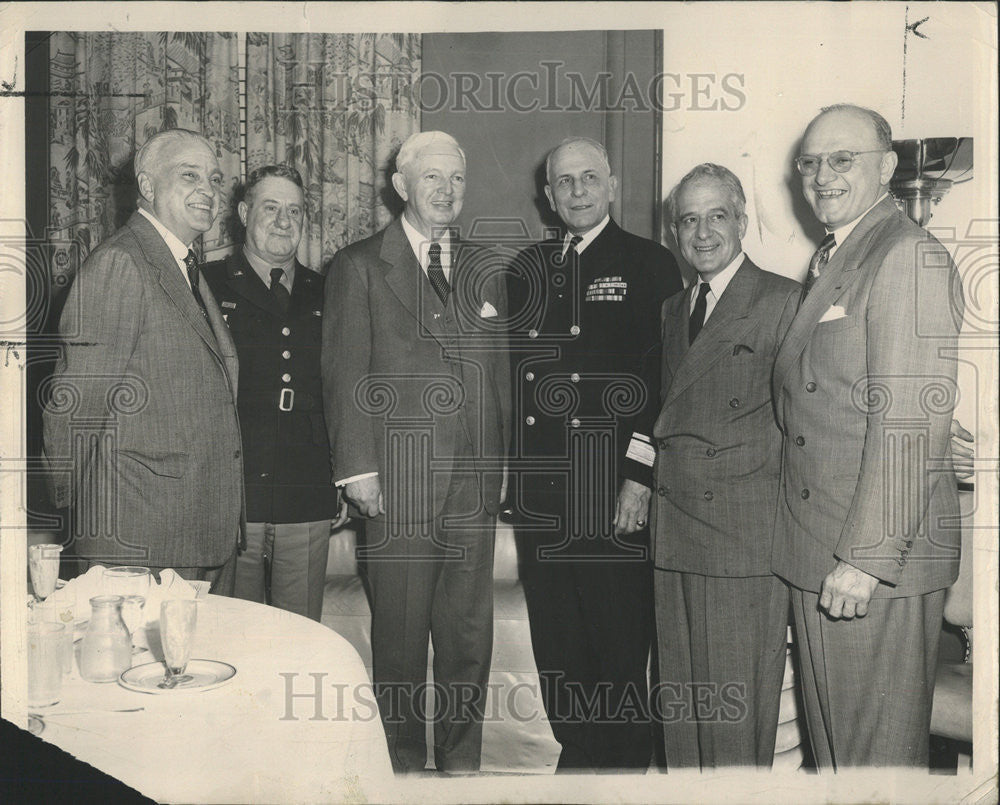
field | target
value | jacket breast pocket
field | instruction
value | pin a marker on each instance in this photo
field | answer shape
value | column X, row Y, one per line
column 836, row 325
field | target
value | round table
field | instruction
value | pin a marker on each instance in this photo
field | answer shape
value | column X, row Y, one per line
column 297, row 723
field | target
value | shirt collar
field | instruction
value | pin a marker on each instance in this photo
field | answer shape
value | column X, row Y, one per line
column 174, row 243
column 587, row 238
column 421, row 244
column 720, row 281
column 844, row 232
column 262, row 268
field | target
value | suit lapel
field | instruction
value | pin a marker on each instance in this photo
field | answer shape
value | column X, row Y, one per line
column 840, row 274
column 728, row 322
column 408, row 282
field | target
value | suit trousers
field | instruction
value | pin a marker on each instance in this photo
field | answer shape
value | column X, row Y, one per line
column 722, row 647
column 433, row 579
column 284, row 565
column 868, row 683
column 591, row 628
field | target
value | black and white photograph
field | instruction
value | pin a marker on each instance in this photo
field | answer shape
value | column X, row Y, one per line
column 499, row 402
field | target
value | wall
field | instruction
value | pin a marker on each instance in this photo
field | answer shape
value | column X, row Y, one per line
column 796, row 58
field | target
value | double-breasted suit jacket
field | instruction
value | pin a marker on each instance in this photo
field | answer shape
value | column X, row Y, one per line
column 286, row 450
column 718, row 445
column 143, row 408
column 411, row 380
column 865, row 386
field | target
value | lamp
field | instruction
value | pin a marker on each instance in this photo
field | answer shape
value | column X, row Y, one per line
column 926, row 171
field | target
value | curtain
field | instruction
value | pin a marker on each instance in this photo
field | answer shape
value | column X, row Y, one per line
column 109, row 93
column 336, row 107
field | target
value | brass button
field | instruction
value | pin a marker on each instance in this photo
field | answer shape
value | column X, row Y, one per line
column 286, row 354
column 530, row 420
column 529, row 376
column 575, row 422
column 286, row 378
column 805, row 494
column 810, row 387
column 800, row 440
column 574, row 330
column 709, row 495
column 285, row 331
column 575, row 377
column 532, row 333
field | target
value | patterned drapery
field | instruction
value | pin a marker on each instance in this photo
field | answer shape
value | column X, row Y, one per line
column 109, row 93
column 336, row 107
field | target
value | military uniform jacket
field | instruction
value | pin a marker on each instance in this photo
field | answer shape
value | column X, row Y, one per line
column 286, row 451
column 718, row 444
column 586, row 341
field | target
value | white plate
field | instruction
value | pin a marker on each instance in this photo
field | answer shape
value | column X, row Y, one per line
column 205, row 675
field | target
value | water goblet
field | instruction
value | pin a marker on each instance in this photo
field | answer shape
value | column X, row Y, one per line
column 126, row 580
column 43, row 564
column 177, row 623
column 133, row 607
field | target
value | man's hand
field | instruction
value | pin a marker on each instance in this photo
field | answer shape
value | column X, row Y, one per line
column 962, row 457
column 343, row 515
column 632, row 507
column 847, row 591
column 366, row 495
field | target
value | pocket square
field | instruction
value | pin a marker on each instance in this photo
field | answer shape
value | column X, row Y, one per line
column 488, row 311
column 833, row 313
column 739, row 348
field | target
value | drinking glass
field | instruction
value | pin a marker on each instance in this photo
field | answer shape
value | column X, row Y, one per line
column 43, row 564
column 126, row 580
column 177, row 623
column 45, row 649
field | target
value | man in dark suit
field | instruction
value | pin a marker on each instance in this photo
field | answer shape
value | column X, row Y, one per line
column 141, row 430
column 585, row 319
column 721, row 616
column 273, row 306
column 417, row 400
column 867, row 531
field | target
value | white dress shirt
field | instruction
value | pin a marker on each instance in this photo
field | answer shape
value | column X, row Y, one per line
column 717, row 286
column 586, row 239
column 844, row 232
column 262, row 268
column 421, row 247
column 177, row 248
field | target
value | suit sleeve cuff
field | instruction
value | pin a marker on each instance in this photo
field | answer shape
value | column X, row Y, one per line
column 362, row 476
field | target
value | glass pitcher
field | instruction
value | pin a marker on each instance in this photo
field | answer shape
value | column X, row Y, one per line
column 106, row 649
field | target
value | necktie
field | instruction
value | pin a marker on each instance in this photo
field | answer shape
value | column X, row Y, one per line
column 698, row 314
column 435, row 273
column 819, row 261
column 191, row 262
column 573, row 243
column 278, row 290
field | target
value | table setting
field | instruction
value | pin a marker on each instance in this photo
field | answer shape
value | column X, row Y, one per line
column 195, row 697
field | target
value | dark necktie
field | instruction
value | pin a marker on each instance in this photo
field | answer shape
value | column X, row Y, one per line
column 573, row 243
column 819, row 261
column 435, row 273
column 278, row 290
column 697, row 319
column 191, row 262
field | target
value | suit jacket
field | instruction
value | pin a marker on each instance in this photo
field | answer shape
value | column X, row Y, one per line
column 865, row 387
column 286, row 453
column 586, row 338
column 141, row 430
column 409, row 382
column 718, row 444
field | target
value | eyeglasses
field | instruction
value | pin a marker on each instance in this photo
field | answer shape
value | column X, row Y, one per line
column 840, row 161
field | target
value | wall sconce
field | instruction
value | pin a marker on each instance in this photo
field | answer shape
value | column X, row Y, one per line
column 926, row 171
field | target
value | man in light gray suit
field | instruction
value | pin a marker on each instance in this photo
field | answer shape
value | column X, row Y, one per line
column 721, row 616
column 141, row 431
column 867, row 533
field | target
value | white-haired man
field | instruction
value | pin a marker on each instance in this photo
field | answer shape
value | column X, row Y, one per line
column 149, row 371
column 416, row 396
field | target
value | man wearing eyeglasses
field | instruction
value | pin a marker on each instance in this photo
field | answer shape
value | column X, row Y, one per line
column 867, row 534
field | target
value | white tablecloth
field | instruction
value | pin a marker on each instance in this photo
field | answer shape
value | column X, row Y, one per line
column 252, row 740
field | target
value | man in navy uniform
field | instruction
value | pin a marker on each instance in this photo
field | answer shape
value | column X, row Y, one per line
column 273, row 305
column 585, row 312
